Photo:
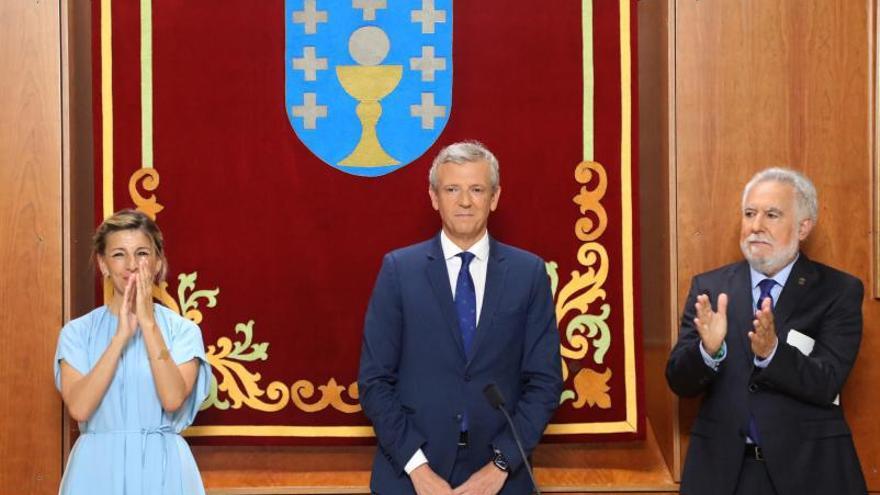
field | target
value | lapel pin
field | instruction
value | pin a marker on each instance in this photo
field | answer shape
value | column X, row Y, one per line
column 802, row 281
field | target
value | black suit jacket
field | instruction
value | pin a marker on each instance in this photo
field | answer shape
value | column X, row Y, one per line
column 416, row 382
column 805, row 439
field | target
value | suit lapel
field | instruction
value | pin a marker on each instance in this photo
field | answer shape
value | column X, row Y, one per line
column 496, row 270
column 741, row 308
column 439, row 279
column 800, row 280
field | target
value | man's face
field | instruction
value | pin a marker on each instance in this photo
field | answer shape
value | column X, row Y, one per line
column 771, row 231
column 464, row 198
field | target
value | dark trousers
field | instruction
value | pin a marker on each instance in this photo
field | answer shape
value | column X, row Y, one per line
column 754, row 479
column 461, row 470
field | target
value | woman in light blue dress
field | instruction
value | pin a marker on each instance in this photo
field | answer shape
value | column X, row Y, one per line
column 132, row 373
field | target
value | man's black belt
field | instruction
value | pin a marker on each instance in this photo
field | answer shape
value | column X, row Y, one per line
column 463, row 439
column 754, row 452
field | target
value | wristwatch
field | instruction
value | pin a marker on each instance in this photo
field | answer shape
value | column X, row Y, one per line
column 500, row 461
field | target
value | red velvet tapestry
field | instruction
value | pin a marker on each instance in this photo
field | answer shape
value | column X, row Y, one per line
column 283, row 147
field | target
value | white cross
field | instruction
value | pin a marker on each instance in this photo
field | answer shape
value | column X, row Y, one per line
column 310, row 16
column 427, row 111
column 369, row 7
column 309, row 63
column 309, row 110
column 428, row 16
column 427, row 63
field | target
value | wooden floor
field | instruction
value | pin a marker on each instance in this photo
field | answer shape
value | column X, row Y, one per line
column 559, row 468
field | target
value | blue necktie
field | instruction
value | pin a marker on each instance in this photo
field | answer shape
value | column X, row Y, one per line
column 466, row 302
column 466, row 307
column 765, row 286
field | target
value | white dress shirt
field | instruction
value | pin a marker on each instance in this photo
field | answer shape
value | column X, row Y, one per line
column 478, row 268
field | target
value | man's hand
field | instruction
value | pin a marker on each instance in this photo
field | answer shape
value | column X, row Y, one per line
column 487, row 481
column 426, row 481
column 711, row 325
column 763, row 337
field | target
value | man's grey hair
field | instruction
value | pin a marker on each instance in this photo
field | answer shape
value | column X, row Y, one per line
column 805, row 192
column 466, row 152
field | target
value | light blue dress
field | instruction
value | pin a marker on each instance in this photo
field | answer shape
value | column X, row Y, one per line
column 130, row 445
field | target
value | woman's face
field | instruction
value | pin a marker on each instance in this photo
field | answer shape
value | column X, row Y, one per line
column 123, row 253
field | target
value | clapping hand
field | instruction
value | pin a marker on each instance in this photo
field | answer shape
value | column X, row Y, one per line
column 763, row 337
column 127, row 319
column 711, row 325
column 144, row 298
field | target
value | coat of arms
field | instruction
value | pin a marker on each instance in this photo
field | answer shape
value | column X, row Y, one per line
column 368, row 83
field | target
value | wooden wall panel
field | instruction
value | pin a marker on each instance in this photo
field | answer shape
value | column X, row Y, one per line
column 655, row 66
column 30, row 251
column 788, row 83
column 77, row 173
column 79, row 207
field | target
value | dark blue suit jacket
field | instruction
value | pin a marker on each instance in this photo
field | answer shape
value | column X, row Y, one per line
column 806, row 442
column 415, row 382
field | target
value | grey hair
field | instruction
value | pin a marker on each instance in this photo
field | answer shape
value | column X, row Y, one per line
column 465, row 152
column 805, row 192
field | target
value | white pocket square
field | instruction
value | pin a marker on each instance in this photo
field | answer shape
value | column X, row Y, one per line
column 805, row 344
column 800, row 341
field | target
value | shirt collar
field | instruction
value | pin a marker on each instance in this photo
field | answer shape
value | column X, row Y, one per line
column 450, row 250
column 780, row 278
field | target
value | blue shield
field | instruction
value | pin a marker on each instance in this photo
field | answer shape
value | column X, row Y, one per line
column 368, row 83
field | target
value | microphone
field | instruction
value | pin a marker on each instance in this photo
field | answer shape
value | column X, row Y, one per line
column 496, row 400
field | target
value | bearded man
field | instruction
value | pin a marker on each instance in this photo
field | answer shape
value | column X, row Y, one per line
column 769, row 342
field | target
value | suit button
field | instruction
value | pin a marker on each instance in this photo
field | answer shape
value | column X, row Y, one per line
column 458, row 418
column 467, row 378
column 753, row 387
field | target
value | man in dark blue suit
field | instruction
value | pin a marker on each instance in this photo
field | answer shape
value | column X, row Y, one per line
column 436, row 335
column 771, row 358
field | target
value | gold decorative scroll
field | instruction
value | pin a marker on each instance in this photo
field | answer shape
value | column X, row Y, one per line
column 149, row 179
column 581, row 309
column 238, row 386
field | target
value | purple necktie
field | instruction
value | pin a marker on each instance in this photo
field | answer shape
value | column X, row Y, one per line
column 765, row 286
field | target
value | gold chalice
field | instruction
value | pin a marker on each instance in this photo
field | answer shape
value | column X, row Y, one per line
column 369, row 82
column 368, row 85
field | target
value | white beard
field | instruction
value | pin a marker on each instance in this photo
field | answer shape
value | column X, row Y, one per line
column 771, row 264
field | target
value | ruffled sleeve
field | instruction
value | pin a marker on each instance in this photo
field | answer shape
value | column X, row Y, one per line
column 72, row 349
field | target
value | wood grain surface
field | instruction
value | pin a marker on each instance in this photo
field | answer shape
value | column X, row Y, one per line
column 656, row 225
column 30, row 250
